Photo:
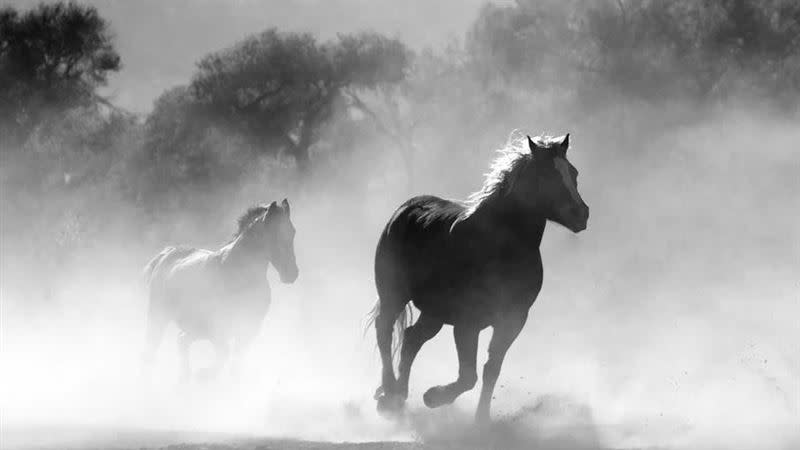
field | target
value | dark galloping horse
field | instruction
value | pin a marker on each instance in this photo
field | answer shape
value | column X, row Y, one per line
column 222, row 295
column 471, row 265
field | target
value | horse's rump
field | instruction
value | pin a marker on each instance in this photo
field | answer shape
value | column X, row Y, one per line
column 418, row 244
column 418, row 230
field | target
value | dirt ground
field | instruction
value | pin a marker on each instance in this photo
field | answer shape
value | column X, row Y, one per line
column 91, row 439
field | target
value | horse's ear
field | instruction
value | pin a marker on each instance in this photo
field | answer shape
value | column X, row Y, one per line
column 563, row 145
column 532, row 145
column 271, row 208
column 285, row 205
column 536, row 151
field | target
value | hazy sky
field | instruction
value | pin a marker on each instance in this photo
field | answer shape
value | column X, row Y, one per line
column 160, row 41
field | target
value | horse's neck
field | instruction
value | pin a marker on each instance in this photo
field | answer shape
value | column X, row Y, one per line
column 500, row 220
column 241, row 253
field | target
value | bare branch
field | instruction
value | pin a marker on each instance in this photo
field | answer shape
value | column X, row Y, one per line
column 361, row 106
column 263, row 96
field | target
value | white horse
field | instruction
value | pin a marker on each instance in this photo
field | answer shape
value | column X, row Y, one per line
column 222, row 296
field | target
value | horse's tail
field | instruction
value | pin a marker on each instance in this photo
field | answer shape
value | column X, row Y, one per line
column 404, row 320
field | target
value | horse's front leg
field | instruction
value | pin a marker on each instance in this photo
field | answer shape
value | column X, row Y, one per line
column 505, row 331
column 241, row 344
column 184, row 350
column 390, row 305
column 156, row 324
column 222, row 352
column 466, row 337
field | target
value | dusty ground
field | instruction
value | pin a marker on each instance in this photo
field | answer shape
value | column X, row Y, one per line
column 143, row 439
column 90, row 439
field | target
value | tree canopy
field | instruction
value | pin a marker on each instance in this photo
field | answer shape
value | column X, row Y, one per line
column 279, row 88
column 651, row 49
column 52, row 58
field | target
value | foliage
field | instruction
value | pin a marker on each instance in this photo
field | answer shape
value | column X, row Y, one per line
column 278, row 89
column 52, row 59
column 650, row 50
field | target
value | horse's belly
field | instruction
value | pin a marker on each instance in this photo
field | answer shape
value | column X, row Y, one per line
column 452, row 306
column 219, row 318
column 201, row 318
column 475, row 301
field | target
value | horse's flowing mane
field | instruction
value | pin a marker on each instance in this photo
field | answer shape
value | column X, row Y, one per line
column 249, row 216
column 505, row 169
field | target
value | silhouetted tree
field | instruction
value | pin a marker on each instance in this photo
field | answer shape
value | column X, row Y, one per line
column 185, row 147
column 52, row 58
column 278, row 89
column 649, row 50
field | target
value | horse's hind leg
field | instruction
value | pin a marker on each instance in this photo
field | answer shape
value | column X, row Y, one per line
column 389, row 309
column 416, row 335
column 241, row 343
column 156, row 324
column 466, row 338
column 184, row 350
column 222, row 352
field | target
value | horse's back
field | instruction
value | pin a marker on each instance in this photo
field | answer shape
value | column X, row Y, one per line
column 166, row 259
column 424, row 216
column 177, row 269
column 422, row 219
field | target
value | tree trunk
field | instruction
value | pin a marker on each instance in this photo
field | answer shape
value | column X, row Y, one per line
column 407, row 152
column 301, row 150
column 302, row 158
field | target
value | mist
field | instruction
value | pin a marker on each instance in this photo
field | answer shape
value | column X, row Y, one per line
column 671, row 322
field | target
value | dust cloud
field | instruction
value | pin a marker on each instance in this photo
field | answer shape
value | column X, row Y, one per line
column 671, row 322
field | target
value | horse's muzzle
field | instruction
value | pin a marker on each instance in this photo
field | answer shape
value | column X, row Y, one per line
column 290, row 276
column 577, row 218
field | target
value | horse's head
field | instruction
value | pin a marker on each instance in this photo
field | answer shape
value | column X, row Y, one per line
column 551, row 184
column 280, row 240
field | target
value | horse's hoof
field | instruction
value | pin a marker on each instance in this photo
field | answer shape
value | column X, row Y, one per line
column 482, row 418
column 435, row 397
column 390, row 405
